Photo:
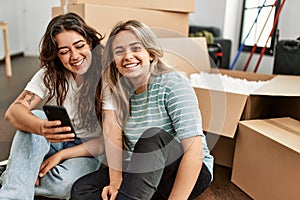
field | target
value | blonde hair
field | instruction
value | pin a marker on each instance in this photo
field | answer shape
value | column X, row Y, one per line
column 120, row 87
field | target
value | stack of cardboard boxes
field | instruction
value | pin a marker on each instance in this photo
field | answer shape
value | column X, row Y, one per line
column 171, row 16
column 257, row 135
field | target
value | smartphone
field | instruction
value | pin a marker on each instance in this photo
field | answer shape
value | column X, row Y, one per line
column 59, row 113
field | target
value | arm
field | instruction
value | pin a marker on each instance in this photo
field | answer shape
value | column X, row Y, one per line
column 89, row 148
column 189, row 168
column 113, row 148
column 182, row 106
column 19, row 113
column 20, row 116
column 92, row 147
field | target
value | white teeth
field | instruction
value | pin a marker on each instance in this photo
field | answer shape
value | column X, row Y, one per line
column 79, row 63
column 131, row 65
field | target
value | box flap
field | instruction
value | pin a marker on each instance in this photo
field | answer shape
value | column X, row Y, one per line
column 281, row 85
column 189, row 55
column 250, row 76
column 221, row 111
column 285, row 131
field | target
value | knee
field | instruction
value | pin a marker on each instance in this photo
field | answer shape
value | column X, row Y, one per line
column 21, row 137
column 153, row 139
column 75, row 191
column 80, row 190
column 153, row 131
column 154, row 134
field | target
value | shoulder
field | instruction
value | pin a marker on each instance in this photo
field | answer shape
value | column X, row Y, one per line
column 36, row 84
column 41, row 72
column 173, row 80
column 172, row 85
column 174, row 75
column 39, row 75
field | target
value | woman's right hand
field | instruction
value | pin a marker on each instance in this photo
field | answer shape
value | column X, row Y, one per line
column 53, row 133
column 48, row 164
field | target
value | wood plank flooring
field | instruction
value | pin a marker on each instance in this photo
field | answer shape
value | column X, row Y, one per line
column 24, row 67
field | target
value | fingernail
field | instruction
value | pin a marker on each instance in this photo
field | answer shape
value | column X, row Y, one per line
column 41, row 174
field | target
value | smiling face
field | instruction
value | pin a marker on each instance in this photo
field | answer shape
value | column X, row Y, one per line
column 131, row 58
column 74, row 52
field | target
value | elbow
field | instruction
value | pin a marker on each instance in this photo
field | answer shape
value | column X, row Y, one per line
column 8, row 115
column 201, row 154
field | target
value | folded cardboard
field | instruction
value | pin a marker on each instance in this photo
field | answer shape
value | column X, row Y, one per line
column 165, row 5
column 267, row 158
column 221, row 111
column 103, row 18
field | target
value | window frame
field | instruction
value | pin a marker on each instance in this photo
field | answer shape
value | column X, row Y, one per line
column 274, row 37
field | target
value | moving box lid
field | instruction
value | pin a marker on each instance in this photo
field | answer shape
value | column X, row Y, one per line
column 281, row 85
column 285, row 131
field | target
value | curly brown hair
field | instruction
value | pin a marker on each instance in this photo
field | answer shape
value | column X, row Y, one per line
column 56, row 74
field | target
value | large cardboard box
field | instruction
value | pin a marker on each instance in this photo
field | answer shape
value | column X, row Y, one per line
column 267, row 158
column 222, row 111
column 165, row 5
column 103, row 18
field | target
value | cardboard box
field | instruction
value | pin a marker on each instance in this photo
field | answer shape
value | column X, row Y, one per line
column 222, row 111
column 267, row 158
column 57, row 11
column 63, row 2
column 103, row 18
column 165, row 5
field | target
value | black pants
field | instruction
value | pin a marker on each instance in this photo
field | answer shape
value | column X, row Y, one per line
column 150, row 174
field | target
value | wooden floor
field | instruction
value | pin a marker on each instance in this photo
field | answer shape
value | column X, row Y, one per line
column 24, row 67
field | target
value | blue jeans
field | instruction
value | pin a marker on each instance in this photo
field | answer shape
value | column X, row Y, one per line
column 149, row 175
column 27, row 152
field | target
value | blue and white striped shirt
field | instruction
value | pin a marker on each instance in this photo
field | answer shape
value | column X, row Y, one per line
column 169, row 103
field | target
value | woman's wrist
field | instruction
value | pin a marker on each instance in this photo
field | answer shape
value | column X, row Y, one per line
column 116, row 182
column 41, row 127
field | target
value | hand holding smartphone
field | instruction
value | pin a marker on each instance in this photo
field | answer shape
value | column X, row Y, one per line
column 59, row 113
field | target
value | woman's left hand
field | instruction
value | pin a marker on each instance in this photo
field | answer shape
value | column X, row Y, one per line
column 109, row 192
column 47, row 165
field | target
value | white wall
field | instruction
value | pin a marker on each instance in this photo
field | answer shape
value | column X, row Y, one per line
column 27, row 20
column 11, row 12
column 209, row 13
column 38, row 14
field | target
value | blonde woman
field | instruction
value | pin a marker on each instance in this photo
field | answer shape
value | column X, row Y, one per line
column 158, row 112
